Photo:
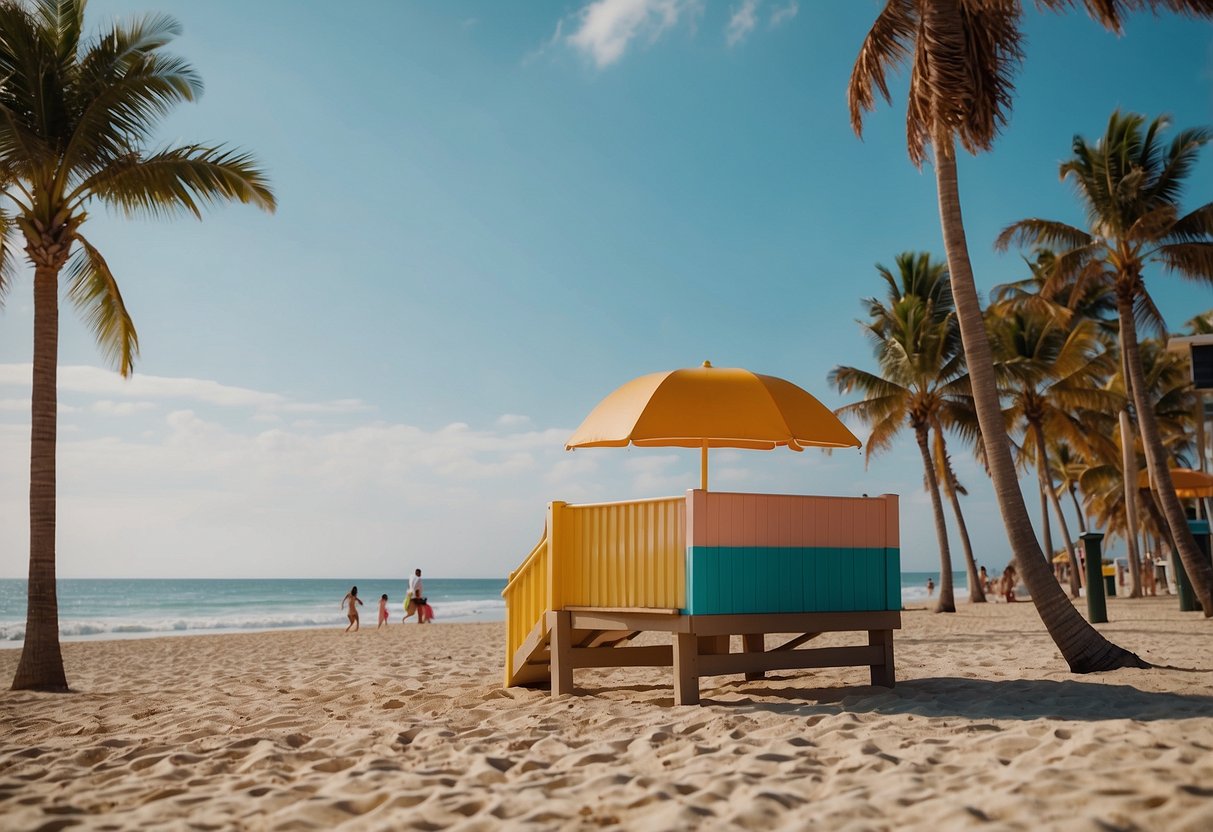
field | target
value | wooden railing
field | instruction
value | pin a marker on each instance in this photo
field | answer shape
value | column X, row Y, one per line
column 630, row 554
column 526, row 600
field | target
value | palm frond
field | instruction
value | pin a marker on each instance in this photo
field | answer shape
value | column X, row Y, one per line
column 61, row 23
column 94, row 291
column 1039, row 232
column 886, row 46
column 180, row 179
column 1181, row 159
column 1193, row 261
column 124, row 93
column 1195, row 226
column 8, row 262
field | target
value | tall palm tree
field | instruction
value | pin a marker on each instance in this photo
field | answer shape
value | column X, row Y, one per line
column 962, row 58
column 917, row 274
column 76, row 120
column 1130, row 186
column 1049, row 371
column 914, row 339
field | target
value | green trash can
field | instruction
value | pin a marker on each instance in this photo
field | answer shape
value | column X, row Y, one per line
column 1097, row 607
column 1183, row 586
column 1200, row 531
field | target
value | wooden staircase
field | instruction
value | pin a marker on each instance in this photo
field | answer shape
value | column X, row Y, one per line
column 601, row 556
column 532, row 661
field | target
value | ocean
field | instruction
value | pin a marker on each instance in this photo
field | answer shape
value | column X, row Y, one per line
column 115, row 608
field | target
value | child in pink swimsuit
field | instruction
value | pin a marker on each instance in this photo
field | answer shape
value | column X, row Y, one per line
column 382, row 610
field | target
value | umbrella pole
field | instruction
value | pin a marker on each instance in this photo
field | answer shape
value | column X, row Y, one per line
column 703, row 467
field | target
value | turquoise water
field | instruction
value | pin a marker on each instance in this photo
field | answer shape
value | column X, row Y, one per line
column 142, row 608
column 98, row 609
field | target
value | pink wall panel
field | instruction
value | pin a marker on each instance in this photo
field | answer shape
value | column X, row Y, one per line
column 718, row 518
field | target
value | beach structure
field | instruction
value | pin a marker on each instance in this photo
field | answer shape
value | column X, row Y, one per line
column 707, row 566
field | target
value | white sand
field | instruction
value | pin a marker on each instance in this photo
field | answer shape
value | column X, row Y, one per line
column 409, row 729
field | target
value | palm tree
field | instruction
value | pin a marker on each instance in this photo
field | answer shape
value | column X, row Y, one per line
column 918, row 275
column 915, row 343
column 962, row 58
column 1049, row 371
column 952, row 489
column 76, row 119
column 1111, row 494
column 1068, row 466
column 1130, row 186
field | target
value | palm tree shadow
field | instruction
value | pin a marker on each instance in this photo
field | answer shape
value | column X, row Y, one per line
column 942, row 697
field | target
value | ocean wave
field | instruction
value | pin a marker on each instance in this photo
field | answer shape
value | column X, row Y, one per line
column 464, row 610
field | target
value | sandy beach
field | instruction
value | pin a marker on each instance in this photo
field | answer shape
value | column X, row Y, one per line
column 409, row 728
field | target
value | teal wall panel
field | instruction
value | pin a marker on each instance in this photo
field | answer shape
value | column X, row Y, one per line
column 893, row 581
column 742, row 579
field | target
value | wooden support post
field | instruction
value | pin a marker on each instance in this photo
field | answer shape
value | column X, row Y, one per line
column 561, row 628
column 754, row 643
column 882, row 674
column 686, row 669
column 714, row 645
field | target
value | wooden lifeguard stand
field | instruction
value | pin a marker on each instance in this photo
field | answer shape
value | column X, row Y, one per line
column 705, row 567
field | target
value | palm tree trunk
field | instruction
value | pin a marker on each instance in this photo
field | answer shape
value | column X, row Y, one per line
column 41, row 663
column 977, row 592
column 1194, row 562
column 947, row 598
column 1128, row 464
column 1147, row 499
column 1081, row 645
column 1046, row 528
column 1082, row 520
column 1042, row 465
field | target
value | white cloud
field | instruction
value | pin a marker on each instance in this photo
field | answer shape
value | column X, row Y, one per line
column 744, row 18
column 604, row 29
column 513, row 420
column 107, row 407
column 782, row 14
column 87, row 380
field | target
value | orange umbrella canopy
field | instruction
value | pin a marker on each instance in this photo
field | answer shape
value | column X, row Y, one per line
column 711, row 407
column 1188, row 483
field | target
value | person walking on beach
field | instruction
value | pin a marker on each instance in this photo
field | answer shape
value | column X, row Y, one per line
column 930, row 587
column 984, row 580
column 354, row 601
column 417, row 596
column 1009, row 579
column 383, row 616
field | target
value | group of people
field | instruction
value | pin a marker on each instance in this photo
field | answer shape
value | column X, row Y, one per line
column 1006, row 584
column 415, row 604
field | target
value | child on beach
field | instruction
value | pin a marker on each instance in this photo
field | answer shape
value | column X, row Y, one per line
column 354, row 602
column 382, row 610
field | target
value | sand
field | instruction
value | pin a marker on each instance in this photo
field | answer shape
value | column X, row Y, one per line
column 409, row 728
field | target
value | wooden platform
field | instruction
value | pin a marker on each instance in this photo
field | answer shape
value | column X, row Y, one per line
column 579, row 637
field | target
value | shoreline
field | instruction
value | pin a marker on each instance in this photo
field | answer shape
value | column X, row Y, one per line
column 409, row 728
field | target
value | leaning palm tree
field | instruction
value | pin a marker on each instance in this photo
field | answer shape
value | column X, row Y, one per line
column 1130, row 186
column 919, row 366
column 962, row 58
column 76, row 119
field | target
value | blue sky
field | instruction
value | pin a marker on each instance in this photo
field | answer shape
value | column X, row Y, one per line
column 491, row 215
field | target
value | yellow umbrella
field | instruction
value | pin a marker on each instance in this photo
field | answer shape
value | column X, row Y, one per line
column 1188, row 483
column 711, row 407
